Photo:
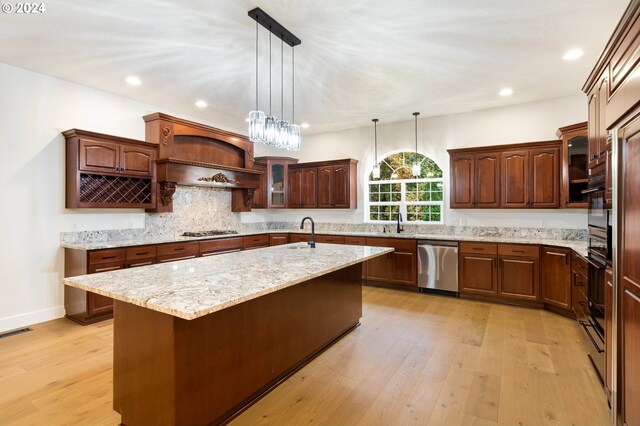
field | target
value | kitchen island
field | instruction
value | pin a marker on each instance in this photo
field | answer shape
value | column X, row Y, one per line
column 197, row 341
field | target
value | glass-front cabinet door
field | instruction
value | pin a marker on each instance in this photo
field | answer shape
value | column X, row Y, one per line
column 278, row 185
column 575, row 176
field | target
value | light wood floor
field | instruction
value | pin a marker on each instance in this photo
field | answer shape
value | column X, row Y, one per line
column 416, row 359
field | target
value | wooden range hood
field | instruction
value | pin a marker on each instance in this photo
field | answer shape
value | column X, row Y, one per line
column 194, row 154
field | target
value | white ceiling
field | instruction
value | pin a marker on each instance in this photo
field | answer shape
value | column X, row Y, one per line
column 358, row 59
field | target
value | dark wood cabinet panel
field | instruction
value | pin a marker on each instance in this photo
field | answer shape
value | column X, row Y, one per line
column 140, row 262
column 403, row 264
column 260, row 194
column 399, row 267
column 106, row 256
column 299, row 238
column 574, row 170
column 545, row 178
column 218, row 246
column 140, row 252
column 278, row 239
column 487, row 180
column 478, row 274
column 519, row 278
column 478, row 248
column 255, row 241
column 295, row 188
column 514, row 189
column 556, row 277
column 608, row 328
column 341, row 182
column 325, row 186
column 99, row 156
column 303, row 187
column 462, row 181
column 178, row 249
column 631, row 353
column 135, row 160
column 330, row 239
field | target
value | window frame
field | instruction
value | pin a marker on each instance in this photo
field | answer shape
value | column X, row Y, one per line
column 403, row 203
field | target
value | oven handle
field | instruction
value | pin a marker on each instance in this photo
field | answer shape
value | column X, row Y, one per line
column 589, row 191
column 584, row 325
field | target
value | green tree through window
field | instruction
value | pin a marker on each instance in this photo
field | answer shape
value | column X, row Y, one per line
column 419, row 199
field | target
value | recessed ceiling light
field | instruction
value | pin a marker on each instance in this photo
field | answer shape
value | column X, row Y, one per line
column 247, row 120
column 201, row 104
column 132, row 80
column 507, row 91
column 572, row 54
column 305, row 125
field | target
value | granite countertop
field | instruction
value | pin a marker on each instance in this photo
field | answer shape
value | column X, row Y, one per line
column 578, row 246
column 190, row 289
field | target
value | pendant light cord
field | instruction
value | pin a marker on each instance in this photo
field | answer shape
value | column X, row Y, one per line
column 375, row 138
column 282, row 79
column 269, row 71
column 257, row 66
column 416, row 114
column 293, row 87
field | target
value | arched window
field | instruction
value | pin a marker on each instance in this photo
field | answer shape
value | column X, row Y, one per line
column 419, row 199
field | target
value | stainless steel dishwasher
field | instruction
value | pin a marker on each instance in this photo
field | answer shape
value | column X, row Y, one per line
column 438, row 267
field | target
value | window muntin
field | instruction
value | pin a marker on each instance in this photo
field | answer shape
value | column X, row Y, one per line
column 419, row 199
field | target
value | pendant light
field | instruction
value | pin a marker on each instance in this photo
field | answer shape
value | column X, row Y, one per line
column 270, row 122
column 256, row 117
column 415, row 168
column 376, row 167
column 268, row 129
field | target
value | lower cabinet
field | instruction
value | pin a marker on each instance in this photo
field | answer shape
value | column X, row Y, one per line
column 278, row 239
column 398, row 267
column 299, row 238
column 478, row 274
column 608, row 325
column 556, row 277
column 506, row 271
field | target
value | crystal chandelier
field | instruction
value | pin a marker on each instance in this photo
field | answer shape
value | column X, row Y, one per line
column 269, row 129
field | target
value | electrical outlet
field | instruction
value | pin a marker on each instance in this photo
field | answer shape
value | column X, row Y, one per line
column 74, row 226
column 461, row 221
column 543, row 224
column 130, row 224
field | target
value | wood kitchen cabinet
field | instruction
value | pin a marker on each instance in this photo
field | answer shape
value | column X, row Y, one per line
column 475, row 180
column 104, row 171
column 575, row 172
column 545, row 177
column 520, row 176
column 515, row 179
column 337, row 185
column 557, row 277
column 277, row 179
column 278, row 239
column 519, row 271
column 260, row 194
column 398, row 267
column 478, row 274
column 608, row 329
column 303, row 184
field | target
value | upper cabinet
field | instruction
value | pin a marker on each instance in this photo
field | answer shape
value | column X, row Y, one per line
column 104, row 171
column 322, row 184
column 275, row 180
column 507, row 176
column 575, row 174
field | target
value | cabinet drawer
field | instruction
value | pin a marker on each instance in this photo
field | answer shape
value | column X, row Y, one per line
column 299, row 238
column 140, row 262
column 173, row 258
column 580, row 304
column 106, row 256
column 217, row 246
column 254, row 241
column 580, row 265
column 355, row 241
column 105, row 267
column 178, row 249
column 330, row 239
column 141, row 252
column 518, row 250
column 484, row 248
column 278, row 239
column 399, row 243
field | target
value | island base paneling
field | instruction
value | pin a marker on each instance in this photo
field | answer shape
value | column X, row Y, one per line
column 172, row 371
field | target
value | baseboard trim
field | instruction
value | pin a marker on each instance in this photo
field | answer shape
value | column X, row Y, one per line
column 30, row 318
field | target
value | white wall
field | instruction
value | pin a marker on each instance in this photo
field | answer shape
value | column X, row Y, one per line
column 520, row 123
column 34, row 109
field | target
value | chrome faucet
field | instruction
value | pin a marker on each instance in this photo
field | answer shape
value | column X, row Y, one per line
column 311, row 243
column 399, row 229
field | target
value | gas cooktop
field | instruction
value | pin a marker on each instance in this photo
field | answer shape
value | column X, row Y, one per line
column 208, row 233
